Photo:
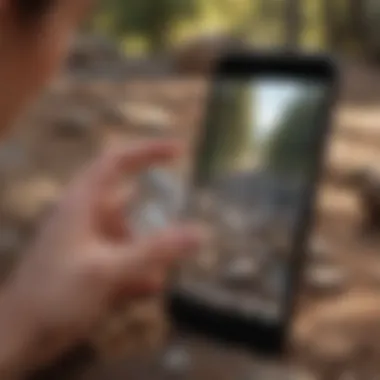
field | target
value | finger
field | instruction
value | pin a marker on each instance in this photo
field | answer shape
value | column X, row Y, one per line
column 167, row 246
column 147, row 286
column 94, row 183
column 113, row 210
column 151, row 254
column 132, row 159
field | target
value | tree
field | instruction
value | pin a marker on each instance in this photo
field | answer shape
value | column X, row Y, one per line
column 371, row 14
column 289, row 148
column 293, row 23
column 332, row 25
column 228, row 131
column 151, row 19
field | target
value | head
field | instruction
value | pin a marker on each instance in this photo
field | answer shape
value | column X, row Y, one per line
column 35, row 36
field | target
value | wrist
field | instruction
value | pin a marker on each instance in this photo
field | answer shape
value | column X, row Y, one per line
column 18, row 336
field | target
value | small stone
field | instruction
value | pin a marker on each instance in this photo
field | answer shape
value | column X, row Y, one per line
column 160, row 200
column 166, row 187
column 150, row 218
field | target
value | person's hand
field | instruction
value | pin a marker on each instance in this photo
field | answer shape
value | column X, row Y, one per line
column 87, row 255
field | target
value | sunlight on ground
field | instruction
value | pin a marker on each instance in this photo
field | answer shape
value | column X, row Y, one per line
column 333, row 201
column 365, row 119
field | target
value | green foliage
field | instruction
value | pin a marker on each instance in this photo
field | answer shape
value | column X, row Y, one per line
column 229, row 130
column 151, row 19
column 348, row 26
column 289, row 148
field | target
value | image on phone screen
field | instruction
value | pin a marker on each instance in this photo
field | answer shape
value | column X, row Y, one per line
column 251, row 180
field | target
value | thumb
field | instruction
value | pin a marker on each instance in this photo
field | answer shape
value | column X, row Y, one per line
column 149, row 255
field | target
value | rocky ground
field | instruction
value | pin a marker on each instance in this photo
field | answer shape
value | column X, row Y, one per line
column 336, row 331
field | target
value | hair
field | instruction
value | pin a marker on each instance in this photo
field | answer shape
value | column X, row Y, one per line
column 31, row 9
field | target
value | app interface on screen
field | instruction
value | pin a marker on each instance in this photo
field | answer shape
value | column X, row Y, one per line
column 252, row 175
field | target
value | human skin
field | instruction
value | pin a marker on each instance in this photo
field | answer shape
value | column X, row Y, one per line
column 86, row 255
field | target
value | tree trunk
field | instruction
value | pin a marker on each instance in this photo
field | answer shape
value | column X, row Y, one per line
column 293, row 23
column 160, row 18
column 332, row 25
column 357, row 24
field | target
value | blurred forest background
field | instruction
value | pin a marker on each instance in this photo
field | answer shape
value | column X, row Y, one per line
column 336, row 329
column 144, row 26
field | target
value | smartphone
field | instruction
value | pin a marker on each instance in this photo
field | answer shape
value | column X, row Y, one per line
column 253, row 183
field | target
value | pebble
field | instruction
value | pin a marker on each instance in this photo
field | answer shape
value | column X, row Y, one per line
column 161, row 197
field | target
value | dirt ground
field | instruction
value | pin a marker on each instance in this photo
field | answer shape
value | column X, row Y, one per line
column 336, row 332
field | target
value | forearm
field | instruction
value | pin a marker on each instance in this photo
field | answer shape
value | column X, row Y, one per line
column 17, row 336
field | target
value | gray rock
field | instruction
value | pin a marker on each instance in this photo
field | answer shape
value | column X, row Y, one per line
column 160, row 200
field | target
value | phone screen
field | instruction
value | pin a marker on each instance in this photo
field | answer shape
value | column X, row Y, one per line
column 252, row 176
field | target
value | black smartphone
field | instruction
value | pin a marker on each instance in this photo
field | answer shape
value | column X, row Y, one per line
column 253, row 185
